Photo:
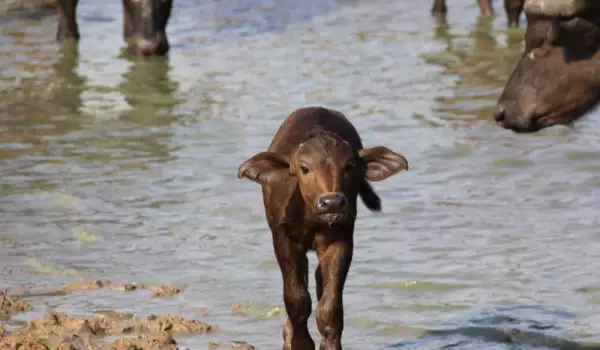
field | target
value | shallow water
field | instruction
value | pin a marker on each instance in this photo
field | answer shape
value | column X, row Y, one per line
column 126, row 169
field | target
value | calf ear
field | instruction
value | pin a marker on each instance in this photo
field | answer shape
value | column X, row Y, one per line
column 265, row 168
column 382, row 162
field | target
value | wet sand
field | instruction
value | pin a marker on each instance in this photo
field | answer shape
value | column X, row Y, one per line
column 57, row 330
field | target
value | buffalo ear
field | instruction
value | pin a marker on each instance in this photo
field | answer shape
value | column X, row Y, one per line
column 382, row 162
column 265, row 168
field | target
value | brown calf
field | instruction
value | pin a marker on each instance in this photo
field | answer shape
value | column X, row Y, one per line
column 311, row 176
column 513, row 9
column 557, row 79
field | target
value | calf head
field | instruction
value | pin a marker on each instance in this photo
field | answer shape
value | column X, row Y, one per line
column 328, row 173
column 557, row 79
column 144, row 26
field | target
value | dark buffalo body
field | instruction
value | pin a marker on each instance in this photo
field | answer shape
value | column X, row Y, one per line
column 557, row 79
column 311, row 176
column 144, row 24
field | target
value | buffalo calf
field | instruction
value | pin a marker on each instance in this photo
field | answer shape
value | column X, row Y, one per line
column 557, row 79
column 144, row 24
column 311, row 176
column 513, row 9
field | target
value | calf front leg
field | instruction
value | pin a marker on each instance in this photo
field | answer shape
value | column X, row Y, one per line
column 334, row 262
column 67, row 27
column 293, row 264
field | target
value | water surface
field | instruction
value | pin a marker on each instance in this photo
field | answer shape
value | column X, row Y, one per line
column 125, row 169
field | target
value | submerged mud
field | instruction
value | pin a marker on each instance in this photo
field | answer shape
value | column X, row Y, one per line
column 232, row 345
column 9, row 305
column 157, row 290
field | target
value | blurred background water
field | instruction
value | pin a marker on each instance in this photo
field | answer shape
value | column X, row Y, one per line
column 125, row 169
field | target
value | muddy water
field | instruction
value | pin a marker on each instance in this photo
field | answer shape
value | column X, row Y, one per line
column 126, row 169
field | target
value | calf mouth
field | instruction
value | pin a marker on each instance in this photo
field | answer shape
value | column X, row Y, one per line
column 333, row 218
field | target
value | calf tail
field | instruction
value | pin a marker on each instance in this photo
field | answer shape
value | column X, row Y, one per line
column 369, row 197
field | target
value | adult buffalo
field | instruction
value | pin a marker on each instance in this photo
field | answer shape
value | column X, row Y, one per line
column 557, row 79
column 144, row 24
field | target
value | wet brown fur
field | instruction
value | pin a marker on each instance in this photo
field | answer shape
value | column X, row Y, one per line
column 144, row 24
column 557, row 79
column 513, row 9
column 316, row 152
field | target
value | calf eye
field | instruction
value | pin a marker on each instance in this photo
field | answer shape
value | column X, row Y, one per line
column 350, row 166
column 304, row 170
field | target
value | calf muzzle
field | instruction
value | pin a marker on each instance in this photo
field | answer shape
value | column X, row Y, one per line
column 329, row 203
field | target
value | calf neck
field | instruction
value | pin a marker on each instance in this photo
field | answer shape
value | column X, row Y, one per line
column 311, row 176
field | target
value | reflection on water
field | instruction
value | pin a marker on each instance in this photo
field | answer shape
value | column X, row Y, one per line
column 31, row 104
column 125, row 168
column 14, row 10
column 481, row 65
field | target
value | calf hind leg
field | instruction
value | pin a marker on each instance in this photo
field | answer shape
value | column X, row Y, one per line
column 319, row 282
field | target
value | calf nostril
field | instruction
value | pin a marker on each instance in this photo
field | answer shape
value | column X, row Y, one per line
column 322, row 203
column 499, row 114
column 342, row 202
